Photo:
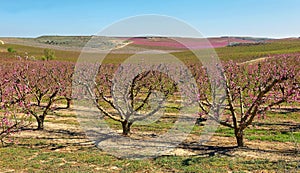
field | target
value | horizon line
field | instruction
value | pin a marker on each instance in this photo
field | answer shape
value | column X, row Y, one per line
column 119, row 36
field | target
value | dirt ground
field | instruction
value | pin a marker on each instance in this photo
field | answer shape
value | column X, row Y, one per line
column 68, row 137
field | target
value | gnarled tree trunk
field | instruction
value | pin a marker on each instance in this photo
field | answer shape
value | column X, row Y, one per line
column 40, row 120
column 126, row 127
column 239, row 135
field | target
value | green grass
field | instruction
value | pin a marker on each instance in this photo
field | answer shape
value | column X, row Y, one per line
column 162, row 125
column 272, row 121
column 244, row 53
column 38, row 52
column 257, row 132
column 91, row 160
column 34, row 155
column 282, row 116
column 277, row 136
column 67, row 121
column 65, row 115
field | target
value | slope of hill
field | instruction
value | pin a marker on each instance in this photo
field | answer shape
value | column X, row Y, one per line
column 104, row 43
column 68, row 48
column 71, row 43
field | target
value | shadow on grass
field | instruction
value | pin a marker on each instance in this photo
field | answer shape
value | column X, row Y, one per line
column 209, row 150
column 58, row 139
column 205, row 151
column 71, row 138
column 285, row 110
column 291, row 127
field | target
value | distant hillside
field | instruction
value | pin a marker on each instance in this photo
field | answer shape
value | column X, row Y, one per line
column 72, row 43
column 76, row 43
column 68, row 48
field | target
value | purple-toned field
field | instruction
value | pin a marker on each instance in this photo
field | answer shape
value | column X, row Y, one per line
column 191, row 43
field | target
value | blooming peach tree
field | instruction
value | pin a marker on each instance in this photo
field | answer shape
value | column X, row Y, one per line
column 251, row 90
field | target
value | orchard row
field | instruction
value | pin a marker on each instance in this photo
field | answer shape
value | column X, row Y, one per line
column 229, row 93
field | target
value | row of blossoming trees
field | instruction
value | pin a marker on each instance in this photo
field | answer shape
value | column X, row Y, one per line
column 32, row 89
column 35, row 88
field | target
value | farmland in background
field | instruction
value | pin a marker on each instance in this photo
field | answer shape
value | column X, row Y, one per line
column 68, row 48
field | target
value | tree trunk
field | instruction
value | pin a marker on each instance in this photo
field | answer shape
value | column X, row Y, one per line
column 68, row 103
column 126, row 127
column 40, row 120
column 239, row 138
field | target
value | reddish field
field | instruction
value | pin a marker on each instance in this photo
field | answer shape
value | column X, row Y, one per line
column 191, row 43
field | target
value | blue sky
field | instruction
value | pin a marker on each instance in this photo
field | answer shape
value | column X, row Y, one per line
column 261, row 18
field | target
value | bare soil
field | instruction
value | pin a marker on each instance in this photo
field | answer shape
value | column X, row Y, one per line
column 61, row 137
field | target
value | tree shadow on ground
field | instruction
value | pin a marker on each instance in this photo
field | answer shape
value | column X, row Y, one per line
column 51, row 142
column 285, row 110
column 207, row 150
column 58, row 139
column 210, row 150
column 290, row 127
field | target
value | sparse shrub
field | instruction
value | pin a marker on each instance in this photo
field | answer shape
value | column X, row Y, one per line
column 11, row 50
column 49, row 54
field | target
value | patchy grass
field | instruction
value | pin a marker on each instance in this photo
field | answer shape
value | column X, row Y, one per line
column 160, row 126
column 64, row 121
column 58, row 114
column 277, row 136
column 281, row 127
column 282, row 116
column 246, row 53
column 20, row 159
column 48, row 154
column 37, row 52
column 263, row 135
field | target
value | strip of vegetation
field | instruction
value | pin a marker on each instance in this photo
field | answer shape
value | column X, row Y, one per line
column 91, row 160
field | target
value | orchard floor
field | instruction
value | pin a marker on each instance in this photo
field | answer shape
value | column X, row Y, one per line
column 64, row 147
